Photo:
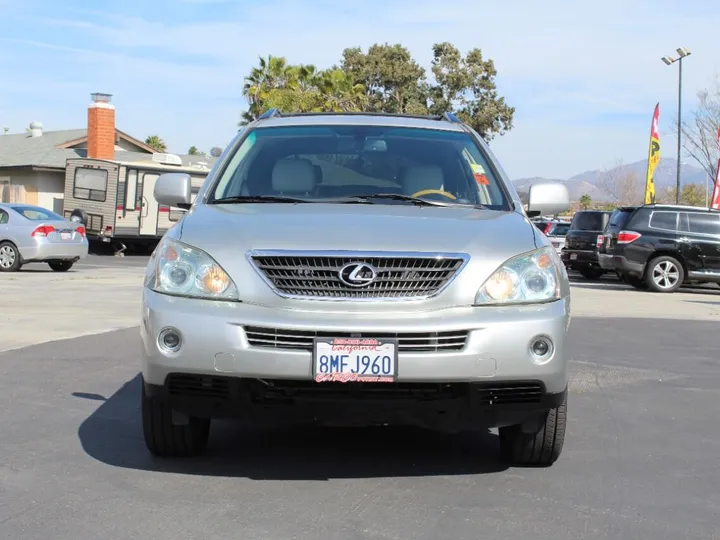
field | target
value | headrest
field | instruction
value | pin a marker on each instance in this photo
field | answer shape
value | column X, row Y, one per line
column 418, row 178
column 293, row 176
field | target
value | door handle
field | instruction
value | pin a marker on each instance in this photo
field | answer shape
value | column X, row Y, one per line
column 144, row 211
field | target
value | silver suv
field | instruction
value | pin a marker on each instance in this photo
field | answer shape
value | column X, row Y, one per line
column 352, row 270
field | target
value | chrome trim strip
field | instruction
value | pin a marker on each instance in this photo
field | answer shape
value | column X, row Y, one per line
column 355, row 254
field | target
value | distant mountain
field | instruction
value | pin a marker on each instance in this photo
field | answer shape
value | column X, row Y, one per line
column 592, row 182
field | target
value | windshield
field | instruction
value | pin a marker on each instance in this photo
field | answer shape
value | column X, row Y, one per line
column 588, row 221
column 36, row 213
column 332, row 163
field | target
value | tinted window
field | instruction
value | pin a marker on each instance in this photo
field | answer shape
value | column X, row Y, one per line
column 318, row 163
column 35, row 213
column 560, row 230
column 664, row 220
column 704, row 223
column 619, row 218
column 3, row 217
column 588, row 221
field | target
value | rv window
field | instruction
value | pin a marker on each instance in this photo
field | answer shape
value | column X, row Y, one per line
column 130, row 188
column 90, row 184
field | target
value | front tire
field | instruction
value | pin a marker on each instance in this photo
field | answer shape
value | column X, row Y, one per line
column 664, row 274
column 535, row 450
column 163, row 438
column 60, row 266
column 9, row 257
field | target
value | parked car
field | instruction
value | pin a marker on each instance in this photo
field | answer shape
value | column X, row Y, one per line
column 556, row 232
column 31, row 234
column 661, row 247
column 357, row 269
column 580, row 250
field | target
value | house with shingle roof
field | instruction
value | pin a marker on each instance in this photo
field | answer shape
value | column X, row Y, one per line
column 32, row 164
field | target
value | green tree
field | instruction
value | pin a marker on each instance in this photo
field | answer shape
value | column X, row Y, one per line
column 467, row 87
column 154, row 141
column 384, row 79
column 393, row 80
column 193, row 151
column 690, row 195
column 585, row 202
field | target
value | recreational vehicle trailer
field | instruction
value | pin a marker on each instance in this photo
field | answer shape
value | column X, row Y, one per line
column 115, row 202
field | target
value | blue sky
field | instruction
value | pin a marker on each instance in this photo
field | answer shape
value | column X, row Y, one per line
column 583, row 76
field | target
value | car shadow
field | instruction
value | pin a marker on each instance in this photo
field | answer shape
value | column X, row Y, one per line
column 113, row 435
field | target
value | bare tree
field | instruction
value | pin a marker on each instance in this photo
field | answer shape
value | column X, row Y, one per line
column 700, row 133
column 622, row 185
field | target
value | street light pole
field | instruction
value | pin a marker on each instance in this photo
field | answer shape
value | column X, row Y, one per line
column 682, row 53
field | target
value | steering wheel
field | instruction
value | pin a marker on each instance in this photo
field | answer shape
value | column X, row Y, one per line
column 434, row 192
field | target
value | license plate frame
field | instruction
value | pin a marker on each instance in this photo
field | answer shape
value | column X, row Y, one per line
column 573, row 256
column 379, row 352
column 65, row 236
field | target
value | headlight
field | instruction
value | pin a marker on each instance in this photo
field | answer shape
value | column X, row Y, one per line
column 182, row 270
column 528, row 278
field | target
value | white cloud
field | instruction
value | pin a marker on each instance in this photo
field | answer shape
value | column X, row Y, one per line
column 562, row 64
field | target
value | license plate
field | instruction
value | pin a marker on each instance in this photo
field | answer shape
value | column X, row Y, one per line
column 573, row 256
column 65, row 236
column 355, row 360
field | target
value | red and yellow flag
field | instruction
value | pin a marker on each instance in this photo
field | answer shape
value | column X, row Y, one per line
column 716, row 191
column 653, row 158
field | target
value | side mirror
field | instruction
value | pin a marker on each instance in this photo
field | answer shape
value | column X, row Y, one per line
column 174, row 189
column 550, row 198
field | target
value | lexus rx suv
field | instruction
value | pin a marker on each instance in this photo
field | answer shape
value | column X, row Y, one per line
column 357, row 270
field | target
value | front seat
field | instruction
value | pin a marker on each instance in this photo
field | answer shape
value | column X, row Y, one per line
column 294, row 177
column 421, row 177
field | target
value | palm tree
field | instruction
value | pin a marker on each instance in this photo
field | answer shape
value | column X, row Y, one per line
column 585, row 202
column 154, row 141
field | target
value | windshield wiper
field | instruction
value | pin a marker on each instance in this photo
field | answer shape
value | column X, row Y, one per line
column 258, row 199
column 391, row 196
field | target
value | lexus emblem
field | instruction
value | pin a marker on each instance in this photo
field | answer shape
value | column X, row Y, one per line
column 357, row 274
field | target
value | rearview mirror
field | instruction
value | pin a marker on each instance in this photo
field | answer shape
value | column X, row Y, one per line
column 174, row 189
column 550, row 198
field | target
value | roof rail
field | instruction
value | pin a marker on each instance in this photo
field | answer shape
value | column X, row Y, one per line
column 450, row 117
column 447, row 117
column 270, row 113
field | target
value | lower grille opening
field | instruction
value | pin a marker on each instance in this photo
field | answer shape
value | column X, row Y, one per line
column 198, row 385
column 302, row 340
column 276, row 391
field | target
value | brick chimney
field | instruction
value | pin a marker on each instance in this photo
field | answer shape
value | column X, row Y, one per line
column 101, row 127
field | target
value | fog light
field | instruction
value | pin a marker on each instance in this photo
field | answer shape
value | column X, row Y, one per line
column 542, row 349
column 169, row 339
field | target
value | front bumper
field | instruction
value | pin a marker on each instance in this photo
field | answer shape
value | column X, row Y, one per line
column 215, row 341
column 44, row 250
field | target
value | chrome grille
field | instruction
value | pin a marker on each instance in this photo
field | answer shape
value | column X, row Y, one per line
column 398, row 276
column 302, row 340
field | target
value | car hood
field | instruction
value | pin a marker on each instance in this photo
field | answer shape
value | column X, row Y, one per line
column 228, row 232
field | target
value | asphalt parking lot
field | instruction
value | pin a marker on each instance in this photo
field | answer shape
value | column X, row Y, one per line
column 640, row 460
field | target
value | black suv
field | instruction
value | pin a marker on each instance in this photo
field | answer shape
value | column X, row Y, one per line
column 660, row 247
column 580, row 251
